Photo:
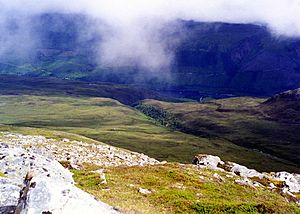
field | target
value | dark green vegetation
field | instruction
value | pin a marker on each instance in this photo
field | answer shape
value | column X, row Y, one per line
column 270, row 125
column 109, row 121
column 18, row 85
column 178, row 189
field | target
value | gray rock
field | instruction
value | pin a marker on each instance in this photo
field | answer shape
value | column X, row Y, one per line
column 144, row 191
column 77, row 152
column 243, row 171
column 291, row 181
column 207, row 161
column 53, row 188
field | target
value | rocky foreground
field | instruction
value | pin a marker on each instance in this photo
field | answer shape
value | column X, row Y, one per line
column 77, row 152
column 33, row 181
column 34, row 184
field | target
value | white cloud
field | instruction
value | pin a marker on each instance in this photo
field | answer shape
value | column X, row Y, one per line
column 133, row 29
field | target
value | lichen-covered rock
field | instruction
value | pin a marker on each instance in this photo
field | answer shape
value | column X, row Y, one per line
column 51, row 189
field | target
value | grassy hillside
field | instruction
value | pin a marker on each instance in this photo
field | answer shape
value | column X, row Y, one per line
column 173, row 187
column 111, row 122
column 242, row 121
column 177, row 188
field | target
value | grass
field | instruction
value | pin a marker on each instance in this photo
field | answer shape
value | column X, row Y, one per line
column 238, row 120
column 111, row 122
column 176, row 188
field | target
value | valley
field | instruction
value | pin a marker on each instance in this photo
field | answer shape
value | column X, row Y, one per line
column 146, row 113
column 269, row 125
column 109, row 121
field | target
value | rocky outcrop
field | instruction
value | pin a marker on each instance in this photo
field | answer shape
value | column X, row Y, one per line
column 286, row 183
column 34, row 184
column 291, row 181
column 78, row 152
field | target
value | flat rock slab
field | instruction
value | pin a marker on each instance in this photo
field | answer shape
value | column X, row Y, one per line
column 52, row 189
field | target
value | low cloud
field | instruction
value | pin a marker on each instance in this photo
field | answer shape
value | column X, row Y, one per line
column 131, row 29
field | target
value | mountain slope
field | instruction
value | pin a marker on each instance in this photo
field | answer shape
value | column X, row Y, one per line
column 209, row 58
column 267, row 125
column 284, row 107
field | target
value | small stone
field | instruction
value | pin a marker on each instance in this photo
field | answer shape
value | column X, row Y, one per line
column 218, row 177
column 245, row 182
column 144, row 191
column 200, row 195
column 201, row 177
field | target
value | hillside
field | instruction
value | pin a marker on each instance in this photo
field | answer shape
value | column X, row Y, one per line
column 22, row 85
column 111, row 122
column 138, row 184
column 284, row 107
column 269, row 125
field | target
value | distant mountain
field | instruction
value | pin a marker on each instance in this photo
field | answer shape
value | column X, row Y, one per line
column 240, row 58
column 211, row 58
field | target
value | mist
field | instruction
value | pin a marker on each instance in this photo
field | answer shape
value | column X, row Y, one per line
column 131, row 30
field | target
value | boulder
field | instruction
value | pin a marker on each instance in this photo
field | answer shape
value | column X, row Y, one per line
column 208, row 161
column 243, row 171
column 50, row 188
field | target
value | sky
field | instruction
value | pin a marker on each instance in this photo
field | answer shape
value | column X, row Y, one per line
column 132, row 32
